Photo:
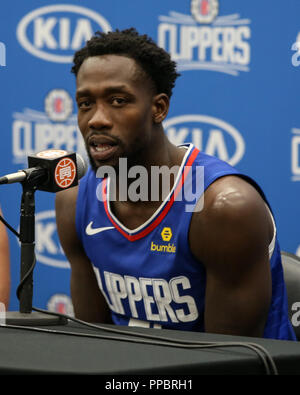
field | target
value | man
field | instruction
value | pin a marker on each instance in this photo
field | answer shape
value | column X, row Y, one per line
column 153, row 262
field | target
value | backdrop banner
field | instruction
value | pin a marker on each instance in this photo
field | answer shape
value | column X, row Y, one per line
column 236, row 99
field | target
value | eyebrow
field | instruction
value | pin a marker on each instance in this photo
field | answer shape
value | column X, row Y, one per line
column 106, row 91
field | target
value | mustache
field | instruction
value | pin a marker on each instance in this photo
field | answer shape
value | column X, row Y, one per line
column 97, row 134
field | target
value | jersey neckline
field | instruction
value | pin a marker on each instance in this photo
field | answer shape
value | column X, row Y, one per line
column 144, row 229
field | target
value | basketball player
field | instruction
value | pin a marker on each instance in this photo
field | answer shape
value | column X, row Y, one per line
column 154, row 263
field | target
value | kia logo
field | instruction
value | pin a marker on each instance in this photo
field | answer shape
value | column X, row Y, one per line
column 54, row 33
column 47, row 247
column 211, row 135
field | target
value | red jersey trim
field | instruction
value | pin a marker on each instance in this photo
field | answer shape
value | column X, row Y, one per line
column 165, row 210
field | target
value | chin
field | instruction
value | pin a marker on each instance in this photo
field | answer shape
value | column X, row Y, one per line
column 92, row 163
column 112, row 164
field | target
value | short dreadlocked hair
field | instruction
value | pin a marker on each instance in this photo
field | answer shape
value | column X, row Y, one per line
column 153, row 60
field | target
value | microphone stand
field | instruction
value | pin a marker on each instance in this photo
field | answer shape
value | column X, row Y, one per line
column 25, row 315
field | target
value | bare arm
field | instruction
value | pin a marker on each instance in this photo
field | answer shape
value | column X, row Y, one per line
column 88, row 301
column 4, row 266
column 231, row 237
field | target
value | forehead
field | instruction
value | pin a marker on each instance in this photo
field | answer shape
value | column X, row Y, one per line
column 108, row 69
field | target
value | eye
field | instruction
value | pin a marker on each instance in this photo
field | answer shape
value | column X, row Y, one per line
column 118, row 101
column 84, row 104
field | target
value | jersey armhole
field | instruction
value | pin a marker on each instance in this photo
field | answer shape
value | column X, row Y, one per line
column 272, row 243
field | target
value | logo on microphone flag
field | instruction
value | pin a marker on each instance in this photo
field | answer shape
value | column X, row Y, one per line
column 65, row 173
column 51, row 153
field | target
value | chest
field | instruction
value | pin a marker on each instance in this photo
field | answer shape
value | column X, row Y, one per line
column 133, row 216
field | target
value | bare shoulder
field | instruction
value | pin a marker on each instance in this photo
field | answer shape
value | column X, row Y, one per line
column 231, row 237
column 234, row 218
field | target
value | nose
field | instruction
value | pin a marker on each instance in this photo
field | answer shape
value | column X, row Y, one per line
column 100, row 119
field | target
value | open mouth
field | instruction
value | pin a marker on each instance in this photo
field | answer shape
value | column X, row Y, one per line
column 101, row 148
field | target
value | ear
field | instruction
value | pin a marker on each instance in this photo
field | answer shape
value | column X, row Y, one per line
column 161, row 103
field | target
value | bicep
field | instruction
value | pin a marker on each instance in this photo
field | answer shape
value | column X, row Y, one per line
column 238, row 303
column 234, row 251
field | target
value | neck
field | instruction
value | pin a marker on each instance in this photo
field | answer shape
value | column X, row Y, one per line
column 150, row 179
column 159, row 151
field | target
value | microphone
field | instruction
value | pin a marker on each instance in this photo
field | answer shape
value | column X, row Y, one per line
column 21, row 175
column 51, row 171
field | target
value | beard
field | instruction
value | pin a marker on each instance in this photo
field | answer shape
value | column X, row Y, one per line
column 135, row 154
column 91, row 160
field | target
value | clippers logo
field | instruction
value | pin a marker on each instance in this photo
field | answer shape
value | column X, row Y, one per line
column 204, row 11
column 211, row 135
column 295, row 156
column 145, row 298
column 2, row 54
column 206, row 41
column 58, row 105
column 54, row 32
column 56, row 128
column 296, row 55
column 65, row 173
column 60, row 303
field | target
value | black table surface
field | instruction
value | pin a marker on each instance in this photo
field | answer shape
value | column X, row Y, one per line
column 76, row 349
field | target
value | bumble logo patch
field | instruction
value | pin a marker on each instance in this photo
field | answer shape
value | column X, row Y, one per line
column 166, row 235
